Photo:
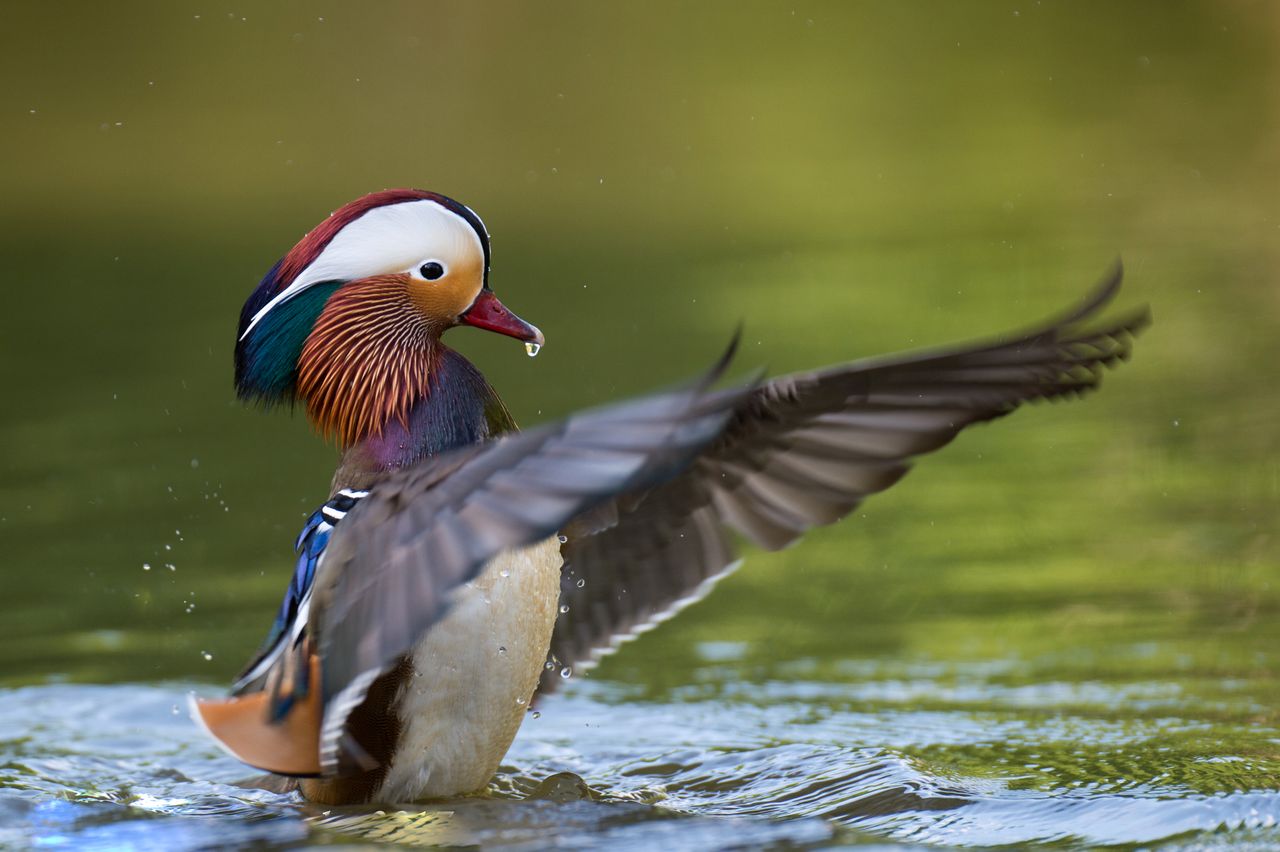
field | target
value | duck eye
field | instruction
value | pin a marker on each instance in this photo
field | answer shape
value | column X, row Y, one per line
column 431, row 270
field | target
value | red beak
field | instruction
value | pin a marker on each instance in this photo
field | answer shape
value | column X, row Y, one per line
column 488, row 313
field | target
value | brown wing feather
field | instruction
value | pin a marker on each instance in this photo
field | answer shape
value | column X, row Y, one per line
column 802, row 451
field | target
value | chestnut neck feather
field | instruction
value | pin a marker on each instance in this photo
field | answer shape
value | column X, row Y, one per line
column 367, row 360
column 374, row 375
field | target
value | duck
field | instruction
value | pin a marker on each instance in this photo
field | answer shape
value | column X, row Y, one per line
column 460, row 566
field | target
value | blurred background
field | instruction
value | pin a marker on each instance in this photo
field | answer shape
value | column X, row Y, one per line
column 845, row 179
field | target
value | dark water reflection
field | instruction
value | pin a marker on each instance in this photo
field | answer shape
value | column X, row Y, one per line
column 1060, row 629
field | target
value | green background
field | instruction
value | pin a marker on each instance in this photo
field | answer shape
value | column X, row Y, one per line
column 845, row 179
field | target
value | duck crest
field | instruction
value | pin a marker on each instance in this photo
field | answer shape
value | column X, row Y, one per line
column 281, row 311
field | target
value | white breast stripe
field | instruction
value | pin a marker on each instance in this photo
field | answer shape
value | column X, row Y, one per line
column 335, row 718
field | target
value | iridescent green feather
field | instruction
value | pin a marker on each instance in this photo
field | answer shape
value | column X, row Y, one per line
column 267, row 366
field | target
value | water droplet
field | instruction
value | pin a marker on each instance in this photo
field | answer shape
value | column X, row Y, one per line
column 520, row 701
column 566, row 672
column 562, row 538
column 504, row 573
column 564, row 608
column 581, row 583
column 146, row 566
column 532, row 348
column 549, row 666
column 502, row 649
column 174, row 710
column 535, row 714
column 207, row 656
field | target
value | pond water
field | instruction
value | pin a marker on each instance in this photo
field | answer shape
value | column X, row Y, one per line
column 1060, row 629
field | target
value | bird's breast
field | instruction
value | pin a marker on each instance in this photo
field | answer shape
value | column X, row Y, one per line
column 473, row 676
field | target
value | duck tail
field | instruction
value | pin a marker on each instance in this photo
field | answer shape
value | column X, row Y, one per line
column 242, row 725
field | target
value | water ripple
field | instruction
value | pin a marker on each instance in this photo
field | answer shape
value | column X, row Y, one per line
column 106, row 767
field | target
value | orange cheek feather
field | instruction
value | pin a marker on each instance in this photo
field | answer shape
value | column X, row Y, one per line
column 442, row 301
column 367, row 360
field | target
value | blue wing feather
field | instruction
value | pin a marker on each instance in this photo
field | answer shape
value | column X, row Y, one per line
column 310, row 547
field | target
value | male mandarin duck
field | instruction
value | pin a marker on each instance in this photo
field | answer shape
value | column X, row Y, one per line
column 459, row 565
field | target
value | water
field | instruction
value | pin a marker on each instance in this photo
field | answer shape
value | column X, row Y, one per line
column 791, row 760
column 1059, row 629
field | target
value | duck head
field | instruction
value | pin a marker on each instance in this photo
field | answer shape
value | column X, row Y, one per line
column 349, row 321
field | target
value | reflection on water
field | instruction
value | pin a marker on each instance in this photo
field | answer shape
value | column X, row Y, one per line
column 1062, row 627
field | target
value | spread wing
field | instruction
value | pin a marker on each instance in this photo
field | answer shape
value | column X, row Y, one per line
column 392, row 565
column 802, row 451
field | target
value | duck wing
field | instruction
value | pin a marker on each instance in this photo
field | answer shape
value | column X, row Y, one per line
column 388, row 571
column 392, row 565
column 802, row 451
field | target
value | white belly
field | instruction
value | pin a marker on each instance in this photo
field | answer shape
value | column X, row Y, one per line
column 473, row 676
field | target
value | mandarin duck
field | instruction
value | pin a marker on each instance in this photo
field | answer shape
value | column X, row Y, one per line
column 459, row 565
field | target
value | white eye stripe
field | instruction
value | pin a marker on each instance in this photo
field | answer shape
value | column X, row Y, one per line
column 384, row 240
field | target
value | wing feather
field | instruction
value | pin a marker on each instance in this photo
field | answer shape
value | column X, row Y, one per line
column 394, row 564
column 803, row 451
